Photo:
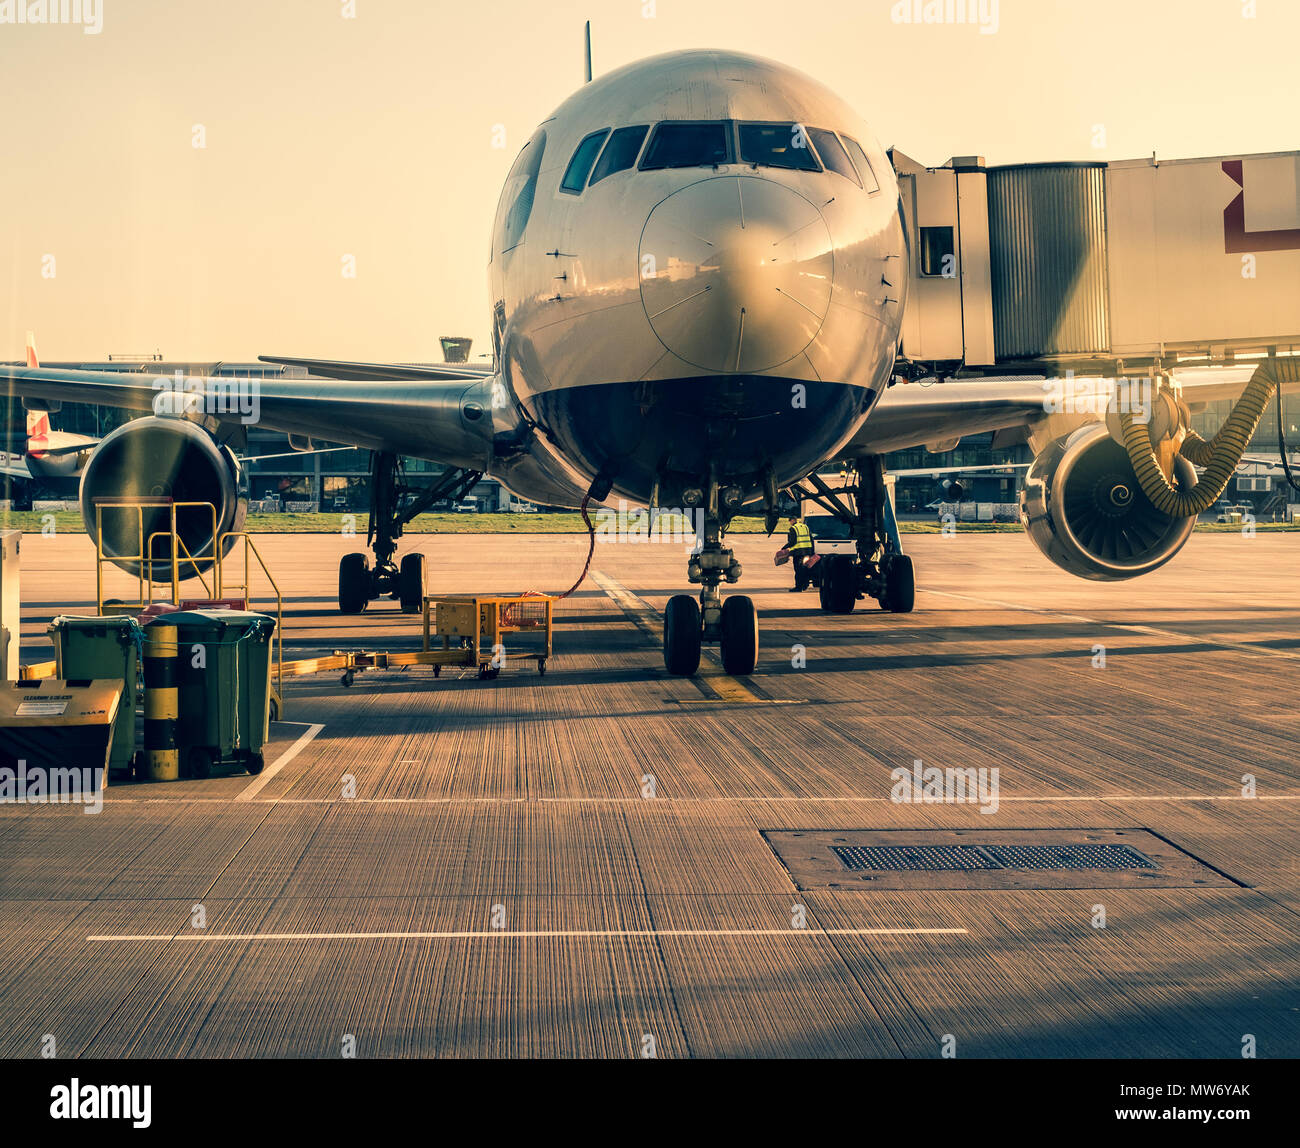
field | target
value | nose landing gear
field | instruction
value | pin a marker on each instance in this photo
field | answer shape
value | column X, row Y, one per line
column 733, row 624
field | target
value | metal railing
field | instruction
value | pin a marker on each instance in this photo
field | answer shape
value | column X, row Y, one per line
column 146, row 563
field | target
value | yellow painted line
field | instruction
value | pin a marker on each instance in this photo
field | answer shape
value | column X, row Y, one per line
column 531, row 934
column 730, row 690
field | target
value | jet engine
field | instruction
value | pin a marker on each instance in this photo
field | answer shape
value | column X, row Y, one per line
column 1083, row 507
column 163, row 458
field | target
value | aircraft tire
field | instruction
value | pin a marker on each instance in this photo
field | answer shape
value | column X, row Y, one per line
column 354, row 583
column 900, row 585
column 682, row 635
column 837, row 582
column 738, row 635
column 411, row 580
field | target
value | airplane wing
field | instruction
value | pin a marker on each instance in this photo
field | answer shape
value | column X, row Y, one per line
column 13, row 466
column 937, row 415
column 341, row 369
column 438, row 413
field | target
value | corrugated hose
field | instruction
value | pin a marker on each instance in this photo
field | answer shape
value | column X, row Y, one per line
column 1220, row 457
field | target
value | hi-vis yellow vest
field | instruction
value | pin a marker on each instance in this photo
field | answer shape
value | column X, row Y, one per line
column 802, row 537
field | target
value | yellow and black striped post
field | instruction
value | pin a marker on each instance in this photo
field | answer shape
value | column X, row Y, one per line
column 161, row 703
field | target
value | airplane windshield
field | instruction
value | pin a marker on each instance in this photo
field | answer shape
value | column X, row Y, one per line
column 777, row 145
column 620, row 153
column 833, row 154
column 688, row 145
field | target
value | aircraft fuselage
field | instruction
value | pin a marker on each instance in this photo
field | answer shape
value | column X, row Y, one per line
column 715, row 295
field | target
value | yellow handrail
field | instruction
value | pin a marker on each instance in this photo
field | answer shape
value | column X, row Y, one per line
column 144, row 557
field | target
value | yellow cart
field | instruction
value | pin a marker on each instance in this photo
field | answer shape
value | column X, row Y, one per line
column 466, row 631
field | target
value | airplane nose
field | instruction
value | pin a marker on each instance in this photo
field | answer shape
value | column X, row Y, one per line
column 736, row 273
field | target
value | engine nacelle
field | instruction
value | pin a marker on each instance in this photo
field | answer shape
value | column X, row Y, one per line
column 1083, row 507
column 163, row 457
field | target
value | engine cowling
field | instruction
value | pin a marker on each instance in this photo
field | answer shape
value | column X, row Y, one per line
column 163, row 457
column 1083, row 507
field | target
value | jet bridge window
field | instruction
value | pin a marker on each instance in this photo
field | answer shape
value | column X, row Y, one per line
column 777, row 145
column 833, row 154
column 938, row 256
column 575, row 175
column 859, row 157
column 696, row 144
column 620, row 153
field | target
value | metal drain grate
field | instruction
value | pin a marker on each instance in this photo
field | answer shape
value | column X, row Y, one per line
column 1069, row 857
column 913, row 858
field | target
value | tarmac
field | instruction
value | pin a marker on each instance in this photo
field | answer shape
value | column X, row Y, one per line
column 610, row 862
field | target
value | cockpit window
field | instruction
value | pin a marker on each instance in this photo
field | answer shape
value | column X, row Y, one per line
column 777, row 145
column 521, row 185
column 688, row 145
column 620, row 153
column 869, row 180
column 833, row 154
column 575, row 175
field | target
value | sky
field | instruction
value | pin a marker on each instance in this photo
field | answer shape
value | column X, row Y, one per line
column 365, row 128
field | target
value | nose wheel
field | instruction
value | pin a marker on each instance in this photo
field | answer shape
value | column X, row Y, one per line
column 733, row 624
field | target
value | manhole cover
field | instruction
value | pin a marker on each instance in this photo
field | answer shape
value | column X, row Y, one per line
column 988, row 859
column 931, row 858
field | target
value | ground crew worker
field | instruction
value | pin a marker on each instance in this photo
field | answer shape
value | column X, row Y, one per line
column 798, row 541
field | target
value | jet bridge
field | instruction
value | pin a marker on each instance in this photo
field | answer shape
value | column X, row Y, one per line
column 1100, row 266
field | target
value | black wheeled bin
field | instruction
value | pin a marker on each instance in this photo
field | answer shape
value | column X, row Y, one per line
column 223, row 680
column 91, row 647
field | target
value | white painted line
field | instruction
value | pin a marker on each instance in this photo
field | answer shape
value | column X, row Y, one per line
column 1150, row 631
column 567, row 934
column 1171, row 797
column 259, row 782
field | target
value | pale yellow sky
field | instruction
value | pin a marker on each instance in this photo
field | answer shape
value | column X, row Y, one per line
column 372, row 136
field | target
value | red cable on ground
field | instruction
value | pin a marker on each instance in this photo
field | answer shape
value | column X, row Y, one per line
column 591, row 551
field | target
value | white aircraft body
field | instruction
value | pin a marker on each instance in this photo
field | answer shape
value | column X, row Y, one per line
column 697, row 280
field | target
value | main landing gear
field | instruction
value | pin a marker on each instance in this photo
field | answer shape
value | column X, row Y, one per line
column 733, row 623
column 393, row 503
column 880, row 569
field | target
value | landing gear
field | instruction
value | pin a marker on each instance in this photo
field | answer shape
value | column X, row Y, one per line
column 900, row 584
column 682, row 635
column 410, row 581
column 733, row 624
column 393, row 503
column 839, row 590
column 880, row 569
column 354, row 583
column 738, row 635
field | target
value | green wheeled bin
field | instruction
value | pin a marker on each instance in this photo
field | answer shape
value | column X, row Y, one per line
column 93, row 647
column 223, row 681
